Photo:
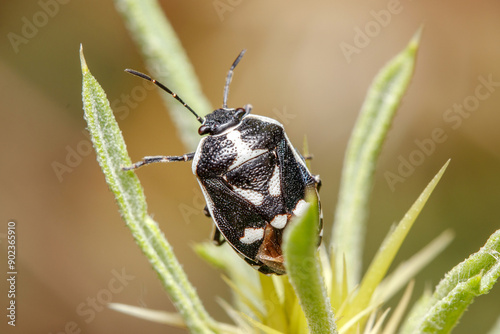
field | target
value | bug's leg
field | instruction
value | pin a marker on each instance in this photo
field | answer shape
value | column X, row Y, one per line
column 160, row 158
column 320, row 228
column 218, row 239
column 318, row 181
column 206, row 212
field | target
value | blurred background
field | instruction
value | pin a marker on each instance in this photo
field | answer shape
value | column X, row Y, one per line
column 308, row 65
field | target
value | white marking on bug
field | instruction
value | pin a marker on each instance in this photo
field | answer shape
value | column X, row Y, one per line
column 274, row 183
column 244, row 152
column 300, row 208
column 197, row 156
column 252, row 235
column 279, row 221
column 252, row 196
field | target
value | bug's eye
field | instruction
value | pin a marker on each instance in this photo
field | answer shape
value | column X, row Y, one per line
column 203, row 130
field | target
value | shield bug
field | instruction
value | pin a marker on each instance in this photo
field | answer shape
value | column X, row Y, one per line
column 253, row 179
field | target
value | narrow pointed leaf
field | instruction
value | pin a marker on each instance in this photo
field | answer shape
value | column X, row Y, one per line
column 275, row 314
column 300, row 243
column 397, row 315
column 386, row 253
column 246, row 301
column 383, row 98
column 242, row 325
column 244, row 280
column 471, row 278
column 172, row 319
column 112, row 155
column 408, row 269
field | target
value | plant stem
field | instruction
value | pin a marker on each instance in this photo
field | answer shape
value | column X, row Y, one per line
column 362, row 153
column 167, row 62
column 112, row 155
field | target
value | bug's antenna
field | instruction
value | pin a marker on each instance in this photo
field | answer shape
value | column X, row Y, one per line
column 162, row 86
column 229, row 77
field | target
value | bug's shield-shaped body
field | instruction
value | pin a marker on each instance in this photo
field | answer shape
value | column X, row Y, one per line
column 254, row 182
column 253, row 179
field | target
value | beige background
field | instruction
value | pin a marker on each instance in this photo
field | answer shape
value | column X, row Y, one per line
column 70, row 235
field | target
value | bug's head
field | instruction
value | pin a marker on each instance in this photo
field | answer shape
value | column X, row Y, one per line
column 219, row 120
column 223, row 119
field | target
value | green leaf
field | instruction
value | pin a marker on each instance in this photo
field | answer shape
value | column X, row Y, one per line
column 243, row 279
column 275, row 314
column 395, row 319
column 473, row 277
column 167, row 62
column 112, row 155
column 387, row 251
column 300, row 243
column 162, row 317
column 408, row 269
column 383, row 98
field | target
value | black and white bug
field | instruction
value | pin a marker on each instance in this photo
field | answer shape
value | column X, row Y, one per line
column 253, row 179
